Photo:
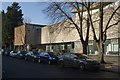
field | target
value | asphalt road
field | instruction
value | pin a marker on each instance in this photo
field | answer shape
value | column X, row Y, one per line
column 18, row 68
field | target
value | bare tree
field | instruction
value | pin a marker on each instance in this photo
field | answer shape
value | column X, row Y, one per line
column 27, row 20
column 102, row 32
column 62, row 12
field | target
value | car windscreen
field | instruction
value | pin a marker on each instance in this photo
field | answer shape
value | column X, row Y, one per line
column 39, row 53
column 23, row 52
column 35, row 53
column 51, row 54
column 82, row 56
column 14, row 51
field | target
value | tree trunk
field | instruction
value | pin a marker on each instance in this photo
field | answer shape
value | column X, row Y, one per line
column 25, row 47
column 100, row 42
column 100, row 46
column 85, row 49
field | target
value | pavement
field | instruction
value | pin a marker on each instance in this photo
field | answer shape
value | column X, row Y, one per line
column 112, row 63
column 111, row 67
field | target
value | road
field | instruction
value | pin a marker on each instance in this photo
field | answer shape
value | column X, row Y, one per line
column 19, row 68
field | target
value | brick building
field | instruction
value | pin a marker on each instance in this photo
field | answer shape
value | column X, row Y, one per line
column 27, row 35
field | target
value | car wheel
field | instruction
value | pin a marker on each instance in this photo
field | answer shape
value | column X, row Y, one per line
column 61, row 64
column 82, row 67
column 25, row 58
column 39, row 60
column 49, row 62
column 33, row 60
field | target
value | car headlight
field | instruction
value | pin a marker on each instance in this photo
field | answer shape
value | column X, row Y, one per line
column 34, row 56
column 20, row 54
column 51, row 58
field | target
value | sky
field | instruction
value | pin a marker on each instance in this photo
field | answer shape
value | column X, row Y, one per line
column 32, row 11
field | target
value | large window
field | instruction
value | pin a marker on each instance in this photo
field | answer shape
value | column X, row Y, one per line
column 62, row 47
column 48, row 48
column 115, row 46
column 112, row 47
column 91, row 47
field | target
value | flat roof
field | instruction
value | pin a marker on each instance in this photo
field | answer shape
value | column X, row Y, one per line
column 35, row 24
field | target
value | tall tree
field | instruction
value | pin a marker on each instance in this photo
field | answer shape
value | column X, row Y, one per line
column 103, row 32
column 62, row 11
column 102, row 29
column 5, row 31
column 13, row 18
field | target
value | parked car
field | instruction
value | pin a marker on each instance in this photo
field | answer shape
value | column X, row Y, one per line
column 37, row 58
column 13, row 53
column 21, row 54
column 79, row 61
column 48, row 57
column 7, row 52
column 31, row 55
column 2, row 51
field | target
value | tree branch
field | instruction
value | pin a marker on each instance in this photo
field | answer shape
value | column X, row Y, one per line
column 111, row 18
column 88, row 24
column 95, row 38
column 81, row 37
column 80, row 19
column 111, row 26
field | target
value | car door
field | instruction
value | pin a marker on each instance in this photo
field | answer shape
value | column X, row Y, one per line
column 74, row 61
column 46, row 57
column 66, row 59
column 14, row 53
column 43, row 57
column 29, row 55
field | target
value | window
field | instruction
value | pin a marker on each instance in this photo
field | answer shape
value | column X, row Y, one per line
column 48, row 48
column 42, row 54
column 67, row 55
column 115, row 47
column 46, row 54
column 114, row 41
column 73, row 56
column 69, row 46
column 73, row 45
column 62, row 47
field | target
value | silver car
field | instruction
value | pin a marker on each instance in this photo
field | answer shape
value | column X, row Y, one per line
column 79, row 61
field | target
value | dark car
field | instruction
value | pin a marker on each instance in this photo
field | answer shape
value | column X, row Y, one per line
column 13, row 53
column 21, row 54
column 7, row 52
column 2, row 51
column 37, row 58
column 79, row 61
column 31, row 55
column 48, row 57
